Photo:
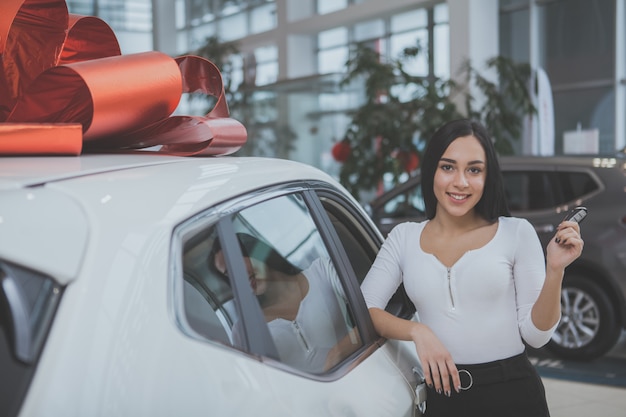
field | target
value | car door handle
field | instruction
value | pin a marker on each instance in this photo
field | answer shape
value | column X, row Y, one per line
column 420, row 390
column 544, row 228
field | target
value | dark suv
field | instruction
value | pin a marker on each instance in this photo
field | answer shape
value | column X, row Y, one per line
column 542, row 190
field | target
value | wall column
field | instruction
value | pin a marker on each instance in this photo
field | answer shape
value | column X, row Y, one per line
column 164, row 26
column 474, row 35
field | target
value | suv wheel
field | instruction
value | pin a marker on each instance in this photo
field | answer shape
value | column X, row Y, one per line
column 589, row 327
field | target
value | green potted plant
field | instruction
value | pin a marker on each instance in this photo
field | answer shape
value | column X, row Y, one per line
column 388, row 130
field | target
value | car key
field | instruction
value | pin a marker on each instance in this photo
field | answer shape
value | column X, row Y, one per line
column 577, row 215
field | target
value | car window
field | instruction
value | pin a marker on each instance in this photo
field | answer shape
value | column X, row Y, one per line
column 208, row 296
column 284, row 262
column 28, row 301
column 538, row 190
column 529, row 190
column 361, row 248
column 407, row 204
column 575, row 185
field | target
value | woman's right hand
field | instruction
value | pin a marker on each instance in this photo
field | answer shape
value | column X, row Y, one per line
column 439, row 369
column 437, row 363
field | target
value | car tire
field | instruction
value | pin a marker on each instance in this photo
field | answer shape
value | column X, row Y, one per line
column 589, row 326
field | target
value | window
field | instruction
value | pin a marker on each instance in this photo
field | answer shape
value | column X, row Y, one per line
column 538, row 190
column 408, row 30
column 408, row 204
column 28, row 301
column 333, row 50
column 233, row 27
column 389, row 35
column 329, row 6
column 529, row 190
column 516, row 189
column 263, row 280
column 122, row 15
column 574, row 185
column 576, row 44
column 263, row 18
column 208, row 296
column 229, row 20
column 360, row 247
column 586, row 108
column 266, row 65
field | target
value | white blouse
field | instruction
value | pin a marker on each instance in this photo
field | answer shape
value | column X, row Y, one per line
column 306, row 341
column 480, row 307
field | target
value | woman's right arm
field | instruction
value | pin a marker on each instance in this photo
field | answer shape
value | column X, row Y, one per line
column 437, row 363
column 381, row 282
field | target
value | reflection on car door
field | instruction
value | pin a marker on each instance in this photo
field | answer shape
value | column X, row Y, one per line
column 323, row 357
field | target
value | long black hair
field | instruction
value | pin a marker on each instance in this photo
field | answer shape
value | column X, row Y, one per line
column 493, row 201
column 255, row 248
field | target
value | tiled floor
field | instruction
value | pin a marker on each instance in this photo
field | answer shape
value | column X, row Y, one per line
column 578, row 399
column 575, row 399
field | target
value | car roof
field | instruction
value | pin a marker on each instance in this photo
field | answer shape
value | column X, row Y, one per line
column 564, row 160
column 52, row 207
column 22, row 172
column 28, row 171
column 18, row 172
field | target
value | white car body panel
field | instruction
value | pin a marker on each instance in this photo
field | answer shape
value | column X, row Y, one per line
column 115, row 348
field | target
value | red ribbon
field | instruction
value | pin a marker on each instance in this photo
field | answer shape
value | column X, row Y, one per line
column 64, row 86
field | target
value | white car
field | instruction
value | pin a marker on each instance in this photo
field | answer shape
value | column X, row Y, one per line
column 111, row 304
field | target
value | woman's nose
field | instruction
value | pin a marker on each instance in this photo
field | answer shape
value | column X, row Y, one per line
column 461, row 180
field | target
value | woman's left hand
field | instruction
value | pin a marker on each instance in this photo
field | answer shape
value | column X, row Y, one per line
column 565, row 246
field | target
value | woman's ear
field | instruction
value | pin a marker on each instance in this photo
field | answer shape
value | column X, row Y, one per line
column 219, row 262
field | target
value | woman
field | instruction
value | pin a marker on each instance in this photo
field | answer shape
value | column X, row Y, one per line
column 304, row 309
column 478, row 279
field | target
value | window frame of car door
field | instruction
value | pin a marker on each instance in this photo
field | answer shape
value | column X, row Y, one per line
column 399, row 305
column 257, row 339
column 344, row 268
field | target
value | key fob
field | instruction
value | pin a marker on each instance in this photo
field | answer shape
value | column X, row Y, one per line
column 577, row 215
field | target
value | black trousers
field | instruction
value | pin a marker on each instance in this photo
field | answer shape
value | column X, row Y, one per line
column 505, row 388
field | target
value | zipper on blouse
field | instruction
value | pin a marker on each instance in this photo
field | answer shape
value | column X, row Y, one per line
column 450, row 288
column 296, row 326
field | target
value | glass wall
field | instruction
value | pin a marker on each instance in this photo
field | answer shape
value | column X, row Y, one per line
column 576, row 46
column 329, row 6
column 579, row 43
column 301, row 118
column 131, row 20
column 333, row 50
column 230, row 20
column 298, row 118
column 424, row 27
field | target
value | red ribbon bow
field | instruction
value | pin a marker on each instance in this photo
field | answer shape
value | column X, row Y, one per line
column 64, row 85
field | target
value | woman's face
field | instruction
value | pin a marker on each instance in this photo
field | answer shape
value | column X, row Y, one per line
column 258, row 270
column 460, row 176
column 257, row 283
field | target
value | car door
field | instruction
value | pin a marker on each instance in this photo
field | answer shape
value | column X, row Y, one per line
column 322, row 358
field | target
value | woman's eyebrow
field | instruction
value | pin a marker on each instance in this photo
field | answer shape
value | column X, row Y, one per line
column 452, row 161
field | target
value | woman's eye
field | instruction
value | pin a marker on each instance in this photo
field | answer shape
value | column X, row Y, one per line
column 475, row 170
column 446, row 167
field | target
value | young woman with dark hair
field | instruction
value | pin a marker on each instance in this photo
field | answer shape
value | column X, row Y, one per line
column 479, row 280
column 492, row 204
column 304, row 309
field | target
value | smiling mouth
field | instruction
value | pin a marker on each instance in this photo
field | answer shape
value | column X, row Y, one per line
column 459, row 197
